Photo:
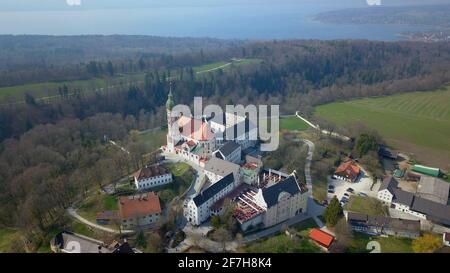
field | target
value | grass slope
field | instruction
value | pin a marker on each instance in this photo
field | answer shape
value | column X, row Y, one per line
column 417, row 122
column 7, row 238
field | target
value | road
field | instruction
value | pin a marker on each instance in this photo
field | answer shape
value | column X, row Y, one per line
column 73, row 213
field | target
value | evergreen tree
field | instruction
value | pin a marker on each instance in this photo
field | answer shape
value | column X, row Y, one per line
column 333, row 212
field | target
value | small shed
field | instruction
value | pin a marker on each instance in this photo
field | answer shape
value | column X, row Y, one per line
column 321, row 237
column 435, row 172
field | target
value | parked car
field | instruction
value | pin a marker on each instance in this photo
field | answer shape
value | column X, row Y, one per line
column 350, row 190
column 330, row 191
column 362, row 194
column 346, row 195
column 330, row 187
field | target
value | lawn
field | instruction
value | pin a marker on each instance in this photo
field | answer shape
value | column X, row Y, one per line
column 97, row 203
column 7, row 238
column 366, row 205
column 80, row 228
column 388, row 244
column 282, row 243
column 293, row 124
column 417, row 123
column 183, row 176
column 154, row 139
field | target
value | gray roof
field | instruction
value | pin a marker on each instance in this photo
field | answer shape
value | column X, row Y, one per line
column 383, row 221
column 358, row 217
column 435, row 211
column 403, row 197
column 272, row 193
column 229, row 148
column 389, row 183
column 214, row 189
column 433, row 189
column 76, row 243
column 221, row 167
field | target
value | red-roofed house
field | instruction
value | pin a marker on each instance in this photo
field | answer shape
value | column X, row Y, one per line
column 321, row 237
column 139, row 210
column 347, row 171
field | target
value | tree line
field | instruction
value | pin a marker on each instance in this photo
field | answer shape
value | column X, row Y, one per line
column 51, row 154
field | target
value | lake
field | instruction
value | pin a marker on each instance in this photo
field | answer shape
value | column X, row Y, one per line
column 271, row 20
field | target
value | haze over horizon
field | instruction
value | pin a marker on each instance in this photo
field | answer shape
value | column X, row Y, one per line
column 249, row 19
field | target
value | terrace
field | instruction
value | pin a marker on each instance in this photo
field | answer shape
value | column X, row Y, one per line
column 246, row 207
column 269, row 177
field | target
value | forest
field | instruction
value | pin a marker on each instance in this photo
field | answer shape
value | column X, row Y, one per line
column 53, row 153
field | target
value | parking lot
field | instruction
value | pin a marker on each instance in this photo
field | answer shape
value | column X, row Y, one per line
column 361, row 187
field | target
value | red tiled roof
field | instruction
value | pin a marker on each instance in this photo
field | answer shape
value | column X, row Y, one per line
column 195, row 128
column 145, row 204
column 150, row 171
column 348, row 169
column 321, row 237
column 250, row 166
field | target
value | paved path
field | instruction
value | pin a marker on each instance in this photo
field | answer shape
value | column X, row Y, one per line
column 73, row 213
column 213, row 69
column 325, row 132
column 120, row 147
column 309, row 157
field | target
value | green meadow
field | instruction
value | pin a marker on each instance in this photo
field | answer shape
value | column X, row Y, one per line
column 416, row 123
column 293, row 124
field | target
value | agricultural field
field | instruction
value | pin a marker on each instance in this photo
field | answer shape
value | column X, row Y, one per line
column 50, row 90
column 416, row 123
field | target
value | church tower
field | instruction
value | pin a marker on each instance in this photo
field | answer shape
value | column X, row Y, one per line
column 170, row 120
